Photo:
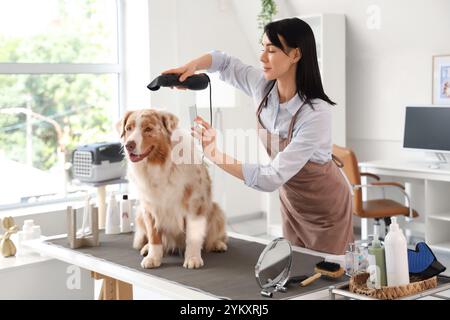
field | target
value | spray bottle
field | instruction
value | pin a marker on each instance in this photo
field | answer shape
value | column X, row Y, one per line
column 125, row 214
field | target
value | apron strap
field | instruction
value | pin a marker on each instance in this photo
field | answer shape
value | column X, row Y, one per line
column 294, row 118
column 264, row 101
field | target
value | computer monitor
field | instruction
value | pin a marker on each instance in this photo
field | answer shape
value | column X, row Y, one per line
column 427, row 128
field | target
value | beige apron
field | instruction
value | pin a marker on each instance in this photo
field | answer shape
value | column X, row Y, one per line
column 316, row 203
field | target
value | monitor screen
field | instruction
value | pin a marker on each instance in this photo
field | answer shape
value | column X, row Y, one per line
column 427, row 128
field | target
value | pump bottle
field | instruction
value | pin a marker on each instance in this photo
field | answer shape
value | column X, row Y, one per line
column 377, row 263
column 397, row 271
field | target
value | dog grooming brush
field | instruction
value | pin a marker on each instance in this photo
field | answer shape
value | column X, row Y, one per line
column 326, row 269
column 295, row 280
column 422, row 262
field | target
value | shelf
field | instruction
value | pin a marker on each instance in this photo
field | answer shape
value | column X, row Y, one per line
column 440, row 216
column 415, row 226
column 430, row 190
column 443, row 246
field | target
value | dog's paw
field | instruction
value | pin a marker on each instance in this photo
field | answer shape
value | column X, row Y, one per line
column 144, row 250
column 220, row 246
column 150, row 262
column 193, row 263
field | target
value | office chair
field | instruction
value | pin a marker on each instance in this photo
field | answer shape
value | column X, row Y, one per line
column 375, row 209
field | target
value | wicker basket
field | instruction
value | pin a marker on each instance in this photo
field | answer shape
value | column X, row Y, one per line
column 358, row 285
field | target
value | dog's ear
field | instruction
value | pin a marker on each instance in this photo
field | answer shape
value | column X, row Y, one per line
column 120, row 126
column 169, row 121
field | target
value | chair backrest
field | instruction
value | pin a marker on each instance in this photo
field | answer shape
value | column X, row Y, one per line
column 351, row 170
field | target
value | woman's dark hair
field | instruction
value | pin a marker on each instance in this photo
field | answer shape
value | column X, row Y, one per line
column 298, row 34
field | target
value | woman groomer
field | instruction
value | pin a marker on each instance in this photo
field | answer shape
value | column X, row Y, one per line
column 316, row 203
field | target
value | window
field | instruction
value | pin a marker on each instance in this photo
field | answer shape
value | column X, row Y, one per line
column 60, row 86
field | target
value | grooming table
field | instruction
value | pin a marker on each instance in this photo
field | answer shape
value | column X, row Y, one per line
column 229, row 275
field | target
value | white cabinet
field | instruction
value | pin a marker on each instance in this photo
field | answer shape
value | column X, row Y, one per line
column 437, row 210
column 329, row 31
column 429, row 190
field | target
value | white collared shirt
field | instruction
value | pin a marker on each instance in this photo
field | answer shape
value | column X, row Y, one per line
column 311, row 139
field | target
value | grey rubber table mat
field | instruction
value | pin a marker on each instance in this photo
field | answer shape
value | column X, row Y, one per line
column 229, row 275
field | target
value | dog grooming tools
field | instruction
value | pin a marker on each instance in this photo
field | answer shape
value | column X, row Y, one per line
column 422, row 263
column 295, row 280
column 327, row 269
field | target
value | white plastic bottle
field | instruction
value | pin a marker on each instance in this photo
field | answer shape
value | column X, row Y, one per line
column 112, row 216
column 125, row 214
column 30, row 231
column 36, row 232
column 24, row 235
column 86, row 225
column 396, row 251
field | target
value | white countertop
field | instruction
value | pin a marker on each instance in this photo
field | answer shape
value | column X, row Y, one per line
column 20, row 261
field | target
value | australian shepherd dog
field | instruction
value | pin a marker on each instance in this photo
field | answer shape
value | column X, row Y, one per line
column 176, row 207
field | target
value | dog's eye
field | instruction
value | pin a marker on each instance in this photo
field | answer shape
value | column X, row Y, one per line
column 148, row 130
column 128, row 128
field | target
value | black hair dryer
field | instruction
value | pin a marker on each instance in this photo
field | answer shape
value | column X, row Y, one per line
column 195, row 82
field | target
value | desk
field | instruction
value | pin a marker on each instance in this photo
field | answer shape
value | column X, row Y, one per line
column 429, row 190
column 120, row 279
column 23, row 277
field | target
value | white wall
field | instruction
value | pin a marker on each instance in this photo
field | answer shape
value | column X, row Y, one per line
column 46, row 280
column 387, row 68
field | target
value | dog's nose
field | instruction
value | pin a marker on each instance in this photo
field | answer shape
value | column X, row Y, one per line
column 131, row 145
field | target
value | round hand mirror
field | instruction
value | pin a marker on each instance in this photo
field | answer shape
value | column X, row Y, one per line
column 273, row 267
